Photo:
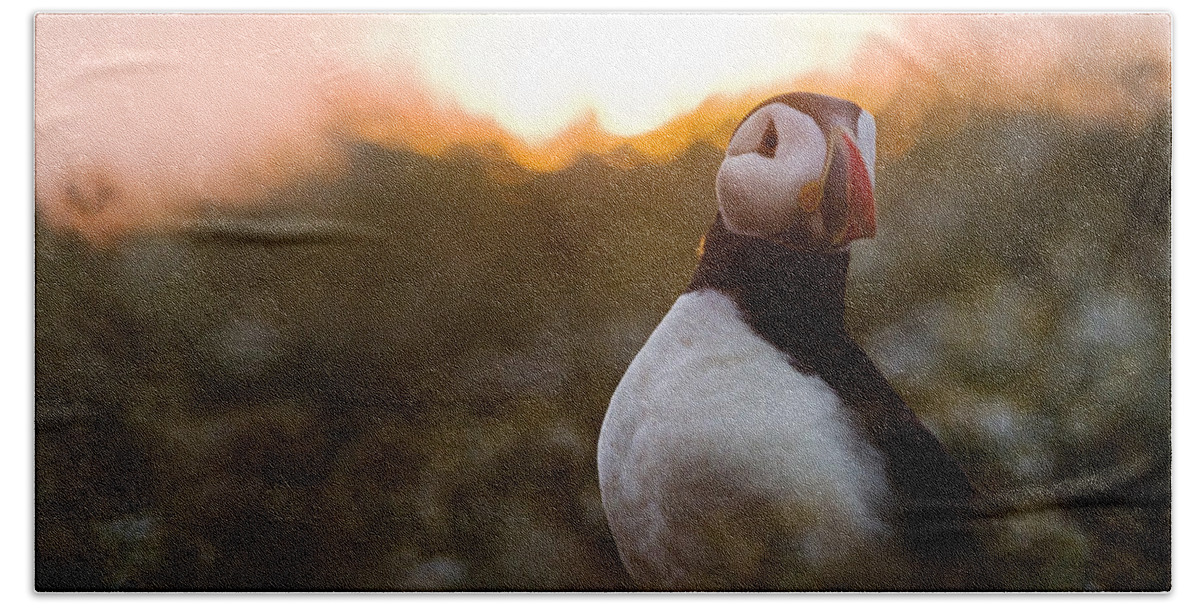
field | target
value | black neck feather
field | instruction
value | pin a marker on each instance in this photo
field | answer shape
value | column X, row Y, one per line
column 794, row 299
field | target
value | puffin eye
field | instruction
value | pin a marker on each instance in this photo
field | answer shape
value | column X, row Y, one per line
column 770, row 140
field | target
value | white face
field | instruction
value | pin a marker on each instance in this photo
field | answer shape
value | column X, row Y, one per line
column 774, row 155
column 758, row 193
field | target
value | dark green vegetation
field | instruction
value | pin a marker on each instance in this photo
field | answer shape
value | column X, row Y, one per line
column 407, row 395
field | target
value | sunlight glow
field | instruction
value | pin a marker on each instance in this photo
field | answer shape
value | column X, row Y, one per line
column 538, row 74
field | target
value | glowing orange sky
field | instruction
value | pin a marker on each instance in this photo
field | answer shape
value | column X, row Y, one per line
column 138, row 117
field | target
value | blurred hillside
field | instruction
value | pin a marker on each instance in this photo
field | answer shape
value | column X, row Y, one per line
column 411, row 398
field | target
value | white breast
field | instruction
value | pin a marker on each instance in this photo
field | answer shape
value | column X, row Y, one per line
column 719, row 460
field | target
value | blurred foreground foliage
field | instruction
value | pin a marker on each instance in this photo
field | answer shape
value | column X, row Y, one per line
column 415, row 405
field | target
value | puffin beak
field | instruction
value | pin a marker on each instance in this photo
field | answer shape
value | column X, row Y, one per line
column 848, row 201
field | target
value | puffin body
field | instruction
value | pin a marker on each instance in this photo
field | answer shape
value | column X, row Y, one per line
column 752, row 444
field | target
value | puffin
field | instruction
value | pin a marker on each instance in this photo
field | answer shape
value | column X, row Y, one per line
column 752, row 444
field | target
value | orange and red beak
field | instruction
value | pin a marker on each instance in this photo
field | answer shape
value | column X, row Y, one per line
column 860, row 194
column 839, row 207
column 848, row 201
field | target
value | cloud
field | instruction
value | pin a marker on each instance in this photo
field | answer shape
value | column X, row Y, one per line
column 136, row 115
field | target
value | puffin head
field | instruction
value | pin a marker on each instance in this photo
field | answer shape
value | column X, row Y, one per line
column 800, row 171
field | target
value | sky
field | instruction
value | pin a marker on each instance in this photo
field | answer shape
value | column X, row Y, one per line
column 140, row 117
